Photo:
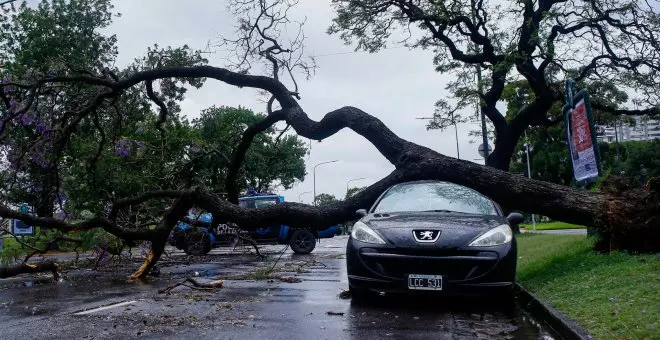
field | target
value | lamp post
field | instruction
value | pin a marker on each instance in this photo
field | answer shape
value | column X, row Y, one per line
column 351, row 180
column 484, row 129
column 314, row 172
column 529, row 174
column 300, row 196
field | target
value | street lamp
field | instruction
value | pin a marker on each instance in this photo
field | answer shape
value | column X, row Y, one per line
column 300, row 196
column 314, row 172
column 529, row 174
column 351, row 180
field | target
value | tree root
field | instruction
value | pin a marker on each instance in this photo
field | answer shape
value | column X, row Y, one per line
column 631, row 221
column 27, row 268
column 195, row 285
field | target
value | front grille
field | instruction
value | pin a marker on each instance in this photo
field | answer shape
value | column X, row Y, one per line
column 469, row 266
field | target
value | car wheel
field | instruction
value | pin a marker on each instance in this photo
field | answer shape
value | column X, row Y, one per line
column 359, row 294
column 178, row 239
column 197, row 243
column 302, row 242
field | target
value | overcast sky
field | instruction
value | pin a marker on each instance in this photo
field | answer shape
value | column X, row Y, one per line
column 396, row 85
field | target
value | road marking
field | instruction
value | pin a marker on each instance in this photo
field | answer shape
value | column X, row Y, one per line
column 106, row 307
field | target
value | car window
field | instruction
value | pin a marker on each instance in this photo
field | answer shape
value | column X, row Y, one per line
column 257, row 202
column 431, row 196
column 246, row 203
column 264, row 202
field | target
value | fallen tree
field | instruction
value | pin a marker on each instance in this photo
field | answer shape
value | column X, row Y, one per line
column 627, row 218
column 620, row 212
column 27, row 268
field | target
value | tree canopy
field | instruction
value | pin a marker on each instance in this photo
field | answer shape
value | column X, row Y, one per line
column 488, row 45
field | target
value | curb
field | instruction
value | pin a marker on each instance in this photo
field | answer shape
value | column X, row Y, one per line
column 556, row 320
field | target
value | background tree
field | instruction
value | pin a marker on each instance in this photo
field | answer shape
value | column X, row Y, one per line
column 487, row 45
column 273, row 157
column 323, row 199
column 352, row 191
column 75, row 166
column 628, row 218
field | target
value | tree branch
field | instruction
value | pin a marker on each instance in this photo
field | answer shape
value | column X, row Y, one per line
column 238, row 156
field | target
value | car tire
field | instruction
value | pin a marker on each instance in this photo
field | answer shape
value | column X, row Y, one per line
column 359, row 294
column 197, row 243
column 178, row 239
column 302, row 241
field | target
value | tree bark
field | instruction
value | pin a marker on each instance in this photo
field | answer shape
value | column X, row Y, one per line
column 26, row 268
column 159, row 241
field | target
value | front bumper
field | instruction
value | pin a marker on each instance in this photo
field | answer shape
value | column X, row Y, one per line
column 480, row 271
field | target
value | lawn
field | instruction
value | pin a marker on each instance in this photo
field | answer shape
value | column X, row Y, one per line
column 614, row 296
column 555, row 225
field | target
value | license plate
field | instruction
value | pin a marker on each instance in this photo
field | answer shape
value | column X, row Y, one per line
column 425, row 282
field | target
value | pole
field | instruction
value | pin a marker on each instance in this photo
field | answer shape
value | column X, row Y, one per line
column 300, row 196
column 351, row 180
column 618, row 155
column 458, row 152
column 480, row 90
column 314, row 175
column 529, row 174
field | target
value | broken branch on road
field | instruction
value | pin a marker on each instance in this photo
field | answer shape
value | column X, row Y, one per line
column 194, row 284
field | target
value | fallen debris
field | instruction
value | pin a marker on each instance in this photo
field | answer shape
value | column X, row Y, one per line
column 211, row 285
column 28, row 268
column 290, row 279
column 336, row 313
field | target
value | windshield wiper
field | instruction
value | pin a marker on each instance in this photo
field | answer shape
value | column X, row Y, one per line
column 444, row 211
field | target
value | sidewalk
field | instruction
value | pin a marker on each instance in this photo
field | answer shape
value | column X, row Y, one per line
column 582, row 231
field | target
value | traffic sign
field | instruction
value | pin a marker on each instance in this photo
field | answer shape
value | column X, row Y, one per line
column 482, row 150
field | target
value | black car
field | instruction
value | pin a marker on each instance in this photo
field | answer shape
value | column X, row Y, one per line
column 432, row 236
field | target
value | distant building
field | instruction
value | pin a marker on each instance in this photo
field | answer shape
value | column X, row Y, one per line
column 643, row 128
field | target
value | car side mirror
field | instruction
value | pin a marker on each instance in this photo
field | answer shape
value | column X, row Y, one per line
column 515, row 218
column 362, row 212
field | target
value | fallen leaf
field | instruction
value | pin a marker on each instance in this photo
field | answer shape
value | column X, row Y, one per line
column 290, row 279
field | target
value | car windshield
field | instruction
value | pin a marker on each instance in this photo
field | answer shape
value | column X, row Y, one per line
column 257, row 202
column 435, row 196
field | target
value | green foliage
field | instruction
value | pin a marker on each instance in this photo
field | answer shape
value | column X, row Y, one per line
column 270, row 159
column 325, row 199
column 353, row 191
column 56, row 36
column 554, row 225
column 612, row 295
column 550, row 159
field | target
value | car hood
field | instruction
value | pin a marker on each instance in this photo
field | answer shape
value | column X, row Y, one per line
column 456, row 229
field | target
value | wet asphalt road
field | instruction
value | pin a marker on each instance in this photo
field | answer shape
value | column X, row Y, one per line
column 248, row 307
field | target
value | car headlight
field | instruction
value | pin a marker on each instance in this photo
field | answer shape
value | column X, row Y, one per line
column 363, row 233
column 493, row 237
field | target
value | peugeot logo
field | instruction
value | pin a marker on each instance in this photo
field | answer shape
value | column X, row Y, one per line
column 426, row 236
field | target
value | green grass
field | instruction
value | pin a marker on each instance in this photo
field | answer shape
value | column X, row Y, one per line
column 614, row 296
column 556, row 225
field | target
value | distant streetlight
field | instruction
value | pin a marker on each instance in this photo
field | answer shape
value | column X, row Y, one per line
column 300, row 196
column 351, row 180
column 529, row 174
column 314, row 172
column 458, row 153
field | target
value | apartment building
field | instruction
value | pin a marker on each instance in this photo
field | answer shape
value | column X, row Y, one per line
column 643, row 128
